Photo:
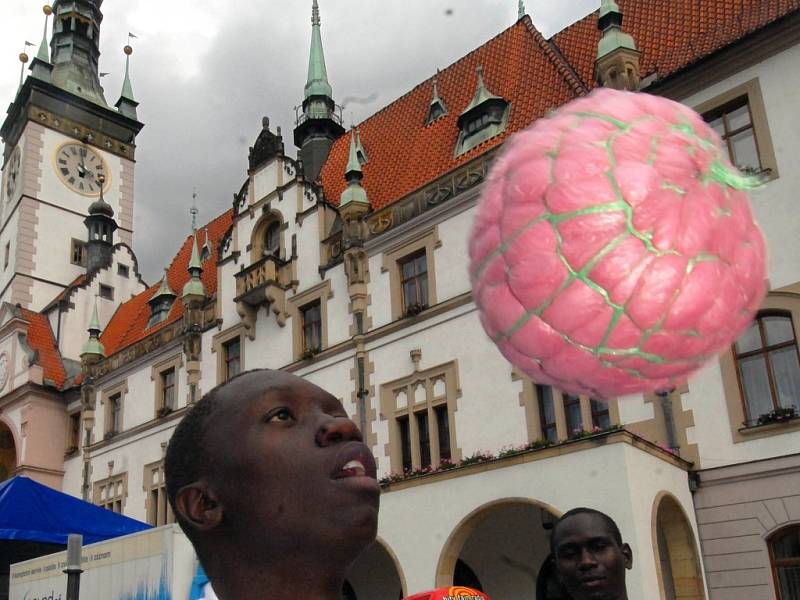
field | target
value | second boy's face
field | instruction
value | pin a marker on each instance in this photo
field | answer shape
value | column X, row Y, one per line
column 291, row 467
column 590, row 563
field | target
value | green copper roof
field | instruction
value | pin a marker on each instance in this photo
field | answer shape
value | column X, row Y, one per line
column 613, row 37
column 354, row 193
column 163, row 289
column 520, row 9
column 194, row 287
column 127, row 88
column 44, row 49
column 481, row 93
column 353, row 165
column 93, row 345
column 317, row 84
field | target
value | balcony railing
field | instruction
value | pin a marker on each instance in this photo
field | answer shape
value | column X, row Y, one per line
column 252, row 282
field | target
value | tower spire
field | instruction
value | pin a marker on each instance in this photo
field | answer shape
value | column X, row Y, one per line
column 354, row 193
column 127, row 104
column 40, row 66
column 617, row 63
column 93, row 350
column 317, row 82
column 520, row 9
column 319, row 125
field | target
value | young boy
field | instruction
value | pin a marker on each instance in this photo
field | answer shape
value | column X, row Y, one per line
column 272, row 483
column 590, row 556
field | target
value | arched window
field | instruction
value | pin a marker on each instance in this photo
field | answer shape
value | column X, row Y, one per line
column 769, row 368
column 272, row 239
column 784, row 552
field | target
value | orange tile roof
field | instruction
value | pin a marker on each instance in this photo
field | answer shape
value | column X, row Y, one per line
column 673, row 35
column 41, row 339
column 405, row 154
column 535, row 75
column 129, row 323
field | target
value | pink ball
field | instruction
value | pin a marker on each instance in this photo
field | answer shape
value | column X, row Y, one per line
column 614, row 250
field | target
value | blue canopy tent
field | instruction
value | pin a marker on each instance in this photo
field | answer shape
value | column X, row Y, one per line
column 35, row 520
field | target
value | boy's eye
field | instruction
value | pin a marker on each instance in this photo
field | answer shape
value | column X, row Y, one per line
column 280, row 415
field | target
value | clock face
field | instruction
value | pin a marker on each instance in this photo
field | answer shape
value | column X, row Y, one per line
column 13, row 172
column 79, row 166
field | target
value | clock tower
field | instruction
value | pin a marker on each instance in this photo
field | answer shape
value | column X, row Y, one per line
column 64, row 146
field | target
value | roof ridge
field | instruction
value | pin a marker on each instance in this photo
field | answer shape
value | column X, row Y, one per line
column 439, row 73
column 560, row 62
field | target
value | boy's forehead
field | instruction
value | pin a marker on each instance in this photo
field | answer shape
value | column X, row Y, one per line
column 583, row 525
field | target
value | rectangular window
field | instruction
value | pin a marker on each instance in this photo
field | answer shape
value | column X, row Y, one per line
column 572, row 413
column 110, row 493
column 405, row 441
column 168, row 390
column 414, row 282
column 106, row 292
column 443, row 428
column 734, row 124
column 74, row 432
column 233, row 353
column 123, row 271
column 7, row 255
column 311, row 315
column 159, row 512
column 600, row 416
column 78, row 253
column 424, row 439
column 547, row 413
column 114, row 415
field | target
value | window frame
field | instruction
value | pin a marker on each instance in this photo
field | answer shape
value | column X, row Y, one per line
column 775, row 301
column 154, row 481
column 751, row 90
column 73, row 436
column 431, row 406
column 77, row 245
column 106, row 399
column 321, row 292
column 258, row 238
column 312, row 328
column 773, row 561
column 156, row 376
column 218, row 343
column 121, row 480
column 427, row 240
column 417, row 260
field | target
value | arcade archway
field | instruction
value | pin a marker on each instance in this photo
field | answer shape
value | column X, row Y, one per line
column 677, row 559
column 375, row 575
column 501, row 549
column 8, row 452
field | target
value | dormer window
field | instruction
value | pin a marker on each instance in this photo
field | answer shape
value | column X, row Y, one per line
column 161, row 303
column 485, row 117
column 437, row 107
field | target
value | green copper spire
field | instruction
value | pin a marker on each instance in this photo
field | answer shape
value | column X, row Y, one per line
column 354, row 193
column 520, row 9
column 93, row 345
column 610, row 22
column 481, row 93
column 194, row 287
column 44, row 52
column 317, row 84
column 127, row 88
column 163, row 289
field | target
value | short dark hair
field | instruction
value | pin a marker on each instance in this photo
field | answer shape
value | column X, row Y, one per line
column 187, row 453
column 612, row 526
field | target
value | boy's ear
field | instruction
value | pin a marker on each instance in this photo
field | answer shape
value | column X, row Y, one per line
column 199, row 506
column 628, row 554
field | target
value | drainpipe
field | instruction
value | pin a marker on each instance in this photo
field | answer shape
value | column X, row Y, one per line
column 361, row 394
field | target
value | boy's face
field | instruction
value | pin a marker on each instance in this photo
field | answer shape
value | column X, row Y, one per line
column 590, row 563
column 290, row 467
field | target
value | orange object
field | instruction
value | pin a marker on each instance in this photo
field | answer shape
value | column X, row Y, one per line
column 456, row 592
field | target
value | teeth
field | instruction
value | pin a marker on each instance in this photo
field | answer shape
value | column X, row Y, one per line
column 356, row 467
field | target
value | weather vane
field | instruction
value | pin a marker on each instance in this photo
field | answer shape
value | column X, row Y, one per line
column 194, row 210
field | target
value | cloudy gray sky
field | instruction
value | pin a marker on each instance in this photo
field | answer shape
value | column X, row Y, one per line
column 206, row 71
